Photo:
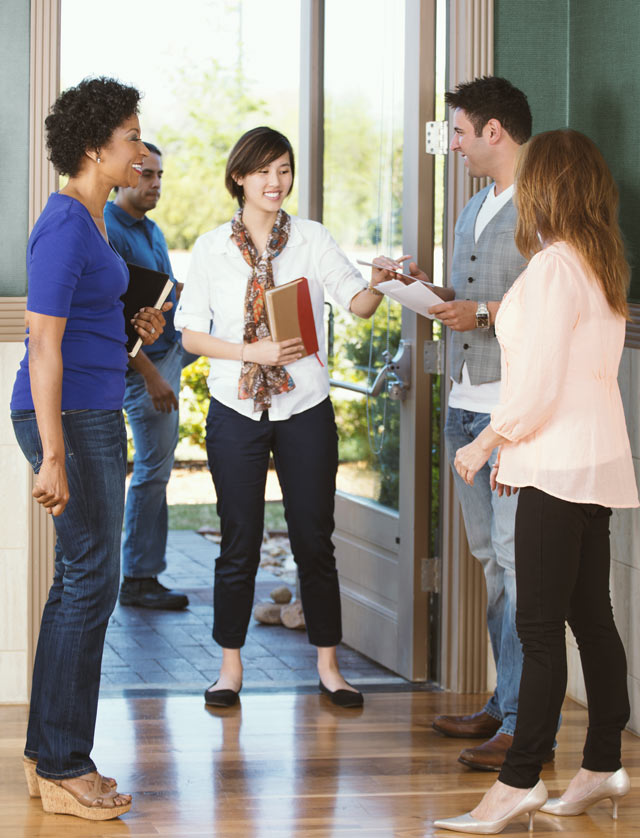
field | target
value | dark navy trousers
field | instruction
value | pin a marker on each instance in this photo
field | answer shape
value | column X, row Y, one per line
column 305, row 453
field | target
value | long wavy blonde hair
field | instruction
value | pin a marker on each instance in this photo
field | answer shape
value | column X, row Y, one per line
column 565, row 192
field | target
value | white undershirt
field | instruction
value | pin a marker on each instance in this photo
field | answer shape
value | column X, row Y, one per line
column 480, row 398
column 491, row 205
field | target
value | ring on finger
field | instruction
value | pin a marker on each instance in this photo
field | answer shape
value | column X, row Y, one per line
column 153, row 330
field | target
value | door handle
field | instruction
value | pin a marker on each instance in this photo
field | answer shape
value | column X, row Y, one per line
column 396, row 374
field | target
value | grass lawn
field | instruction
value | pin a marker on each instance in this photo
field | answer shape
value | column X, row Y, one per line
column 192, row 516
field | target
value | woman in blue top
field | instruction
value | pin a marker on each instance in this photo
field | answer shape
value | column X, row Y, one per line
column 67, row 415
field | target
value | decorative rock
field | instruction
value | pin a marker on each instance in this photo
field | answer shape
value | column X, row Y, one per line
column 291, row 615
column 268, row 613
column 281, row 595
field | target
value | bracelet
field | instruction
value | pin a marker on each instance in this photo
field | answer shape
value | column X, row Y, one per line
column 373, row 290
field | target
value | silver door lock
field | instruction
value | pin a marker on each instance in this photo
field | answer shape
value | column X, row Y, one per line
column 399, row 371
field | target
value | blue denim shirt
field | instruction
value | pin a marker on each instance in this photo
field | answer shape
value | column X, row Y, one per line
column 140, row 241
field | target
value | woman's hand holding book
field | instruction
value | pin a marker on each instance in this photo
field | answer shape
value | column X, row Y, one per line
column 272, row 353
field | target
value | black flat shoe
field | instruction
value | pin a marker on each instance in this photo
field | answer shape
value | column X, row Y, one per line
column 149, row 593
column 221, row 698
column 343, row 698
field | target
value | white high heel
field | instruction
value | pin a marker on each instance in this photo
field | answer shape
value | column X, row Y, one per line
column 614, row 788
column 529, row 805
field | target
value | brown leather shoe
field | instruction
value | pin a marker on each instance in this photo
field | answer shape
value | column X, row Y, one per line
column 490, row 755
column 477, row 726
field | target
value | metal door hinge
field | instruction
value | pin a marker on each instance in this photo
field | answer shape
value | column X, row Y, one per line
column 437, row 137
column 433, row 357
column 430, row 573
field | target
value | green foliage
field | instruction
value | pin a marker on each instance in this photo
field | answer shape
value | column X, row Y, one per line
column 362, row 204
column 192, row 516
column 369, row 429
column 194, row 402
column 195, row 153
column 363, row 207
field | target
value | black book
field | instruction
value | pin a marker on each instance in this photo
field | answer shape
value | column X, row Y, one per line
column 147, row 288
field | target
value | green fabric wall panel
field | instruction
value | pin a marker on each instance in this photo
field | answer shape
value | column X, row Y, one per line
column 14, row 144
column 577, row 62
column 603, row 94
column 531, row 38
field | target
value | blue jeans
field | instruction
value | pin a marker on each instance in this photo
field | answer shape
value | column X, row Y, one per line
column 155, row 436
column 490, row 522
column 66, row 674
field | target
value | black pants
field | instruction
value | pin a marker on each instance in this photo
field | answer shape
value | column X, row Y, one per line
column 305, row 452
column 562, row 574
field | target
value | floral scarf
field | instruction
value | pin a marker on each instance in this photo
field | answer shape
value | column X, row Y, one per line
column 259, row 382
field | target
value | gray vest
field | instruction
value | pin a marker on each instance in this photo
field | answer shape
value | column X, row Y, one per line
column 482, row 271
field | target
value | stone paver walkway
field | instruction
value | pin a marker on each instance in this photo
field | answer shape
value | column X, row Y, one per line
column 174, row 649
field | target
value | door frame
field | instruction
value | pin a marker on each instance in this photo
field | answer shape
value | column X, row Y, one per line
column 464, row 643
column 463, row 638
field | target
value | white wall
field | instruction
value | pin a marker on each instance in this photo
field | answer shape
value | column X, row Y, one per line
column 625, row 554
column 14, row 544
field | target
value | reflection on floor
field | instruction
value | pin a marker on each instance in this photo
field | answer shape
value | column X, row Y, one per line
column 291, row 766
column 175, row 650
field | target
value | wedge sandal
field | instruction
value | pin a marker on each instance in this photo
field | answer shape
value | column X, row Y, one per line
column 95, row 805
column 108, row 783
column 31, row 776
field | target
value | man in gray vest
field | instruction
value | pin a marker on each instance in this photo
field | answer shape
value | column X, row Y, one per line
column 491, row 120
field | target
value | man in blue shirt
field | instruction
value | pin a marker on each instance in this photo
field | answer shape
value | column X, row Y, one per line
column 151, row 400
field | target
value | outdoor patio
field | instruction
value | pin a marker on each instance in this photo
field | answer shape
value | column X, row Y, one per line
column 174, row 650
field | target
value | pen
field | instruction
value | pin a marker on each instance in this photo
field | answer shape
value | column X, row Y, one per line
column 399, row 273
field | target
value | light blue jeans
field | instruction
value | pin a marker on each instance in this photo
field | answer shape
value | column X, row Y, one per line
column 155, row 436
column 490, row 521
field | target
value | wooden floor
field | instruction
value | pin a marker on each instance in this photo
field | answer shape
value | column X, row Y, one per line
column 291, row 766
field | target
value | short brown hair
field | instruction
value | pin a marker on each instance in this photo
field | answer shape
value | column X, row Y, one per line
column 565, row 192
column 255, row 149
column 492, row 97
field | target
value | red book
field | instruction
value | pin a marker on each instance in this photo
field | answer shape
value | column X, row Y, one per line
column 290, row 314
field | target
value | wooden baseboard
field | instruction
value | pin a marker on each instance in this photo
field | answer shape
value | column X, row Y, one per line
column 12, row 311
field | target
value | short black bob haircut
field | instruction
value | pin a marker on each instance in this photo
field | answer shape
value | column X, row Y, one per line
column 492, row 97
column 255, row 149
column 84, row 118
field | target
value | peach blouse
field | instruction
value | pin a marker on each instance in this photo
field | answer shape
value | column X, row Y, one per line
column 560, row 406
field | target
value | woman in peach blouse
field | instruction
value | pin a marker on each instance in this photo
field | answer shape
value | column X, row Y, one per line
column 563, row 444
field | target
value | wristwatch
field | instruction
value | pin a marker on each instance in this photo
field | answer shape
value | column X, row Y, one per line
column 483, row 320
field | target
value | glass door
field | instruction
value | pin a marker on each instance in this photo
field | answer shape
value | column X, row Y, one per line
column 376, row 176
column 363, row 133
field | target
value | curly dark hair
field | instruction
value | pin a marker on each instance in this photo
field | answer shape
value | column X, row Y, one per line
column 84, row 117
column 492, row 97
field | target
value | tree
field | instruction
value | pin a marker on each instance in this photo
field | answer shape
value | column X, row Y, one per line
column 196, row 152
column 362, row 208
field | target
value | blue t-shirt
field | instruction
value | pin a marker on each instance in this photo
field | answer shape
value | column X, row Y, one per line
column 141, row 242
column 74, row 273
